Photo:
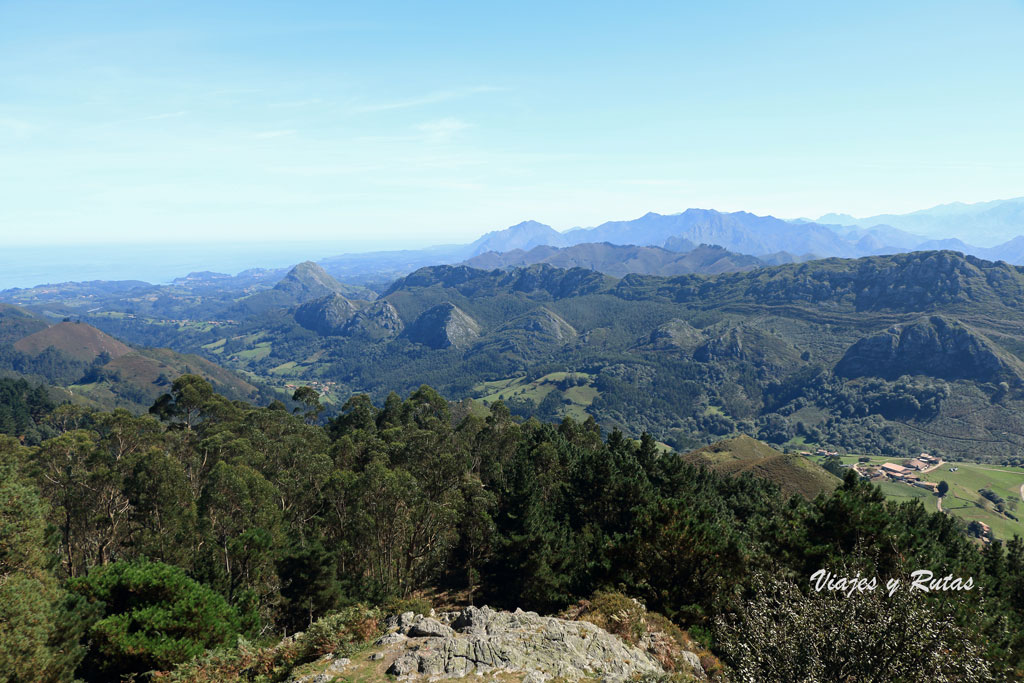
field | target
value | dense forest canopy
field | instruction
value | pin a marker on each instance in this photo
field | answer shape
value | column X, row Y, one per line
column 270, row 519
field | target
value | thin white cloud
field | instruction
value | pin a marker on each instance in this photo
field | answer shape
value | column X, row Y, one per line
column 429, row 98
column 269, row 134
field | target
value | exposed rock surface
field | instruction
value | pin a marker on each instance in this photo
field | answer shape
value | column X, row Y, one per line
column 334, row 667
column 334, row 315
column 481, row 640
column 675, row 334
column 543, row 323
column 747, row 343
column 327, row 316
column 377, row 321
column 933, row 346
column 443, row 326
column 308, row 281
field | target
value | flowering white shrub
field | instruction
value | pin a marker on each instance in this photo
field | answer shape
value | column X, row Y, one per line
column 784, row 635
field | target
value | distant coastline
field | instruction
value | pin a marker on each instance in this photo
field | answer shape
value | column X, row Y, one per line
column 155, row 263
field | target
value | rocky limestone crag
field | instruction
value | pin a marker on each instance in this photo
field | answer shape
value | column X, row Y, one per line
column 675, row 334
column 480, row 640
column 542, row 323
column 935, row 346
column 443, row 326
column 377, row 321
column 334, row 666
column 745, row 343
column 308, row 281
column 334, row 315
column 327, row 316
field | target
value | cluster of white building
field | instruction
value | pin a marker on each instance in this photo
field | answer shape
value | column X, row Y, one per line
column 907, row 473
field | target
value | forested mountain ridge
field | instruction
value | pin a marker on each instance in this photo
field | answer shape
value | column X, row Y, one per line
column 620, row 260
column 794, row 354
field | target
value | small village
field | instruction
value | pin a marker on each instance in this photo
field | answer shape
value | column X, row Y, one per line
column 908, row 473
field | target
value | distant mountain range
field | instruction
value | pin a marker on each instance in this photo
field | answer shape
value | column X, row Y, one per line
column 986, row 223
column 740, row 232
column 650, row 244
column 990, row 230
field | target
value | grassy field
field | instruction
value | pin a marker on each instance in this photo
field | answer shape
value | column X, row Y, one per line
column 258, row 352
column 579, row 397
column 963, row 499
column 217, row 346
column 286, row 369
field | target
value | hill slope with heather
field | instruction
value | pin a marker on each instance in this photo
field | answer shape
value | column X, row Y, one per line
column 75, row 340
column 91, row 367
column 794, row 474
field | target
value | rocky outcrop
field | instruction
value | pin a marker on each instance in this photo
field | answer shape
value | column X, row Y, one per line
column 327, row 316
column 332, row 668
column 443, row 326
column 934, row 346
column 539, row 331
column 335, row 315
column 480, row 640
column 544, row 324
column 377, row 321
column 726, row 346
column 308, row 281
column 675, row 334
column 745, row 343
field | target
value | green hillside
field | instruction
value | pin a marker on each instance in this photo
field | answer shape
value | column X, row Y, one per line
column 741, row 455
column 16, row 323
column 87, row 366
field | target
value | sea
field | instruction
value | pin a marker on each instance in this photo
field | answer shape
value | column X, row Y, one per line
column 157, row 263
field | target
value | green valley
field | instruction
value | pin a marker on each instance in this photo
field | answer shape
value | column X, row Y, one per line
column 882, row 354
column 964, row 500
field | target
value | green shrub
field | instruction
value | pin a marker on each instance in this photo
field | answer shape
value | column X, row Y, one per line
column 153, row 617
column 418, row 605
column 343, row 632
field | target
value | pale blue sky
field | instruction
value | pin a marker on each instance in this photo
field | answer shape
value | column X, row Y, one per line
column 400, row 124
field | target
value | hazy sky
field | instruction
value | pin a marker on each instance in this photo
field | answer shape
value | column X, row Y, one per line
column 394, row 124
